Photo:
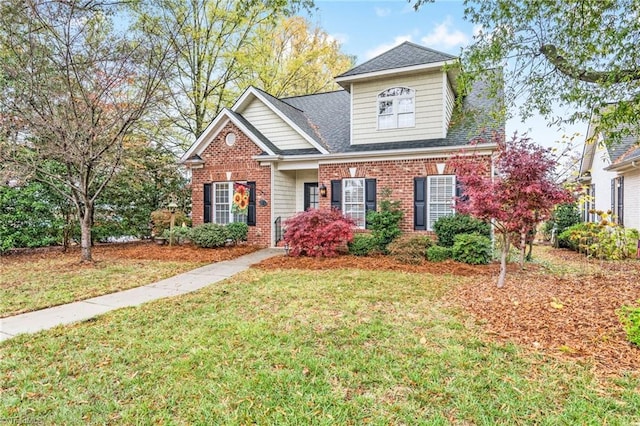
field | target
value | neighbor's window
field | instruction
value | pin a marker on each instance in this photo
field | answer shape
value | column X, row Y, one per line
column 441, row 191
column 222, row 198
column 353, row 204
column 396, row 108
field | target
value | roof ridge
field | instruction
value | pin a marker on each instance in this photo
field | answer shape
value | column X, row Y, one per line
column 311, row 94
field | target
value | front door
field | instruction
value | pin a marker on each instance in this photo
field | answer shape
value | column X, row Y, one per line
column 311, row 196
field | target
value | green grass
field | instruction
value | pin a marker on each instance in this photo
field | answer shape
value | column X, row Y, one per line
column 295, row 348
column 43, row 283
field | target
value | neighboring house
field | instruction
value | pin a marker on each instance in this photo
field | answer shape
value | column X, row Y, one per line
column 611, row 175
column 393, row 126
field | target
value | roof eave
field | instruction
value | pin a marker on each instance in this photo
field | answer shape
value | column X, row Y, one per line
column 482, row 149
column 347, row 80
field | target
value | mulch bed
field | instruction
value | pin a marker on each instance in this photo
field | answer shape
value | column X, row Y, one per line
column 570, row 316
column 145, row 250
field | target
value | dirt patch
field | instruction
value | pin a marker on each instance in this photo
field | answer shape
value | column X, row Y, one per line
column 566, row 315
column 146, row 250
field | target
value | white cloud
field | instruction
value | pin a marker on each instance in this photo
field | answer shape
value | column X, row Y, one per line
column 386, row 46
column 382, row 11
column 341, row 38
column 444, row 36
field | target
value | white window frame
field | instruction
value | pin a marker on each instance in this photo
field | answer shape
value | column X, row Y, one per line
column 347, row 206
column 233, row 217
column 395, row 114
column 437, row 203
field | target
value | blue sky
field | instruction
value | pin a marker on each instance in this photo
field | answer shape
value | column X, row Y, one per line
column 366, row 28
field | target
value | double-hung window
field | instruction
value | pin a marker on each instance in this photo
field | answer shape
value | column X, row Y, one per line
column 222, row 200
column 441, row 191
column 354, row 201
column 396, row 108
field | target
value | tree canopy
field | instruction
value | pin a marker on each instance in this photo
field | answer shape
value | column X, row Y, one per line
column 212, row 41
column 578, row 53
column 72, row 89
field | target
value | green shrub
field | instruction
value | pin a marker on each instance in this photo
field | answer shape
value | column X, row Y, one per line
column 630, row 319
column 447, row 227
column 473, row 249
column 385, row 223
column 363, row 244
column 438, row 253
column 238, row 231
column 209, row 235
column 564, row 216
column 604, row 240
column 181, row 234
column 411, row 249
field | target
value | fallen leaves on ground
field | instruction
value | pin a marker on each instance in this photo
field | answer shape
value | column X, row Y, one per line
column 145, row 250
column 569, row 314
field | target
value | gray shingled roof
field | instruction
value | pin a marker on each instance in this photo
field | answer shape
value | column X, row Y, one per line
column 405, row 55
column 623, row 150
column 330, row 113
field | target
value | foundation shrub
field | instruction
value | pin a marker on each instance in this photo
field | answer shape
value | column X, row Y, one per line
column 438, row 253
column 447, row 227
column 318, row 232
column 238, row 231
column 363, row 245
column 473, row 249
column 410, row 249
column 209, row 235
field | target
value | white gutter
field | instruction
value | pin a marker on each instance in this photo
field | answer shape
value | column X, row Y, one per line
column 431, row 152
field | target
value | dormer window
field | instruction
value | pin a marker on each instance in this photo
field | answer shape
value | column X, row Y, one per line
column 396, row 108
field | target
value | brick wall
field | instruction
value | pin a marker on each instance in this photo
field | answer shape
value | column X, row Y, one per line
column 219, row 159
column 396, row 175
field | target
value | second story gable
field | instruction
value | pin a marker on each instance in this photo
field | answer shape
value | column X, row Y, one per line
column 404, row 94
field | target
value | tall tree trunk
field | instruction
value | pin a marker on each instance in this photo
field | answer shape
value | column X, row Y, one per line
column 503, row 259
column 85, row 231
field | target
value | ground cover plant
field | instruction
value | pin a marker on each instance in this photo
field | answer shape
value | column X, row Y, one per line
column 44, row 278
column 330, row 346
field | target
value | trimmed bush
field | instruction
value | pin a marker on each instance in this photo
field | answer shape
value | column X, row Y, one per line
column 411, row 249
column 385, row 223
column 447, row 227
column 473, row 249
column 209, row 235
column 438, row 253
column 630, row 319
column 317, row 232
column 604, row 240
column 570, row 237
column 181, row 234
column 238, row 231
column 363, row 244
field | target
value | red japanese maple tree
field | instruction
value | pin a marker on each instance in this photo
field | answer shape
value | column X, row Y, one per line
column 520, row 194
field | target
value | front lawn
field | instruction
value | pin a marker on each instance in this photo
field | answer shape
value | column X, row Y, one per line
column 301, row 347
column 48, row 278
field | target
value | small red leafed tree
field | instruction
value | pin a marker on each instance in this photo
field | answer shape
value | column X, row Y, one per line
column 317, row 232
column 521, row 193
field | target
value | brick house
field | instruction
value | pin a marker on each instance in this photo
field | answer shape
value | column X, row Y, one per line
column 394, row 125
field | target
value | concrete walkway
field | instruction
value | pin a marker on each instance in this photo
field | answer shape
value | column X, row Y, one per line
column 187, row 282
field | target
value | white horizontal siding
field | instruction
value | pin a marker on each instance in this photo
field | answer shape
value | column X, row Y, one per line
column 284, row 194
column 428, row 109
column 632, row 199
column 602, row 179
column 273, row 127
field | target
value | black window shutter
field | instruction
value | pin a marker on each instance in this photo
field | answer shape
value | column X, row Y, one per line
column 369, row 196
column 621, row 201
column 207, row 203
column 613, row 196
column 251, row 210
column 420, row 203
column 336, row 194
